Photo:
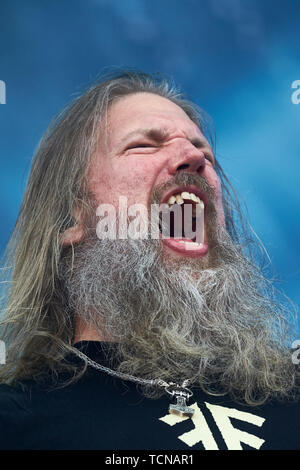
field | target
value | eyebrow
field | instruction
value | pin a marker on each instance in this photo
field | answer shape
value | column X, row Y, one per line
column 156, row 134
column 160, row 135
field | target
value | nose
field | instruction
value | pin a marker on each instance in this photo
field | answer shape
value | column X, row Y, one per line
column 191, row 160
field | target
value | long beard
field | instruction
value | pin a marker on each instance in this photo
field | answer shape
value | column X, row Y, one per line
column 216, row 326
column 212, row 320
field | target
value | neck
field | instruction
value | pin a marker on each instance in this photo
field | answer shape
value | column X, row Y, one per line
column 85, row 332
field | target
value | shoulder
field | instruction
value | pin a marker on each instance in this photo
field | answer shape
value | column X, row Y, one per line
column 14, row 401
column 10, row 394
column 15, row 415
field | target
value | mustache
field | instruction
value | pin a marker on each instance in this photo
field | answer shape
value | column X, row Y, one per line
column 184, row 179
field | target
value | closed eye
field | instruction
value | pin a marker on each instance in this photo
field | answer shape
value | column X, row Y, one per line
column 208, row 156
column 209, row 159
column 139, row 145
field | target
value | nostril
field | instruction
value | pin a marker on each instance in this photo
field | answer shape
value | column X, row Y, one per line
column 183, row 167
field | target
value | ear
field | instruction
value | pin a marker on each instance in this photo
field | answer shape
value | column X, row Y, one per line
column 75, row 234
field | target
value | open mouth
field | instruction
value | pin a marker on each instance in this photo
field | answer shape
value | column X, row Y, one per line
column 182, row 221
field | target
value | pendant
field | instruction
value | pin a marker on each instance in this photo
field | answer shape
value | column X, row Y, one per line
column 180, row 408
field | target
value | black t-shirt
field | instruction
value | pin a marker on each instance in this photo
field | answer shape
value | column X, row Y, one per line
column 102, row 412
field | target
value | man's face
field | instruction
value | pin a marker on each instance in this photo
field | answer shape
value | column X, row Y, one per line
column 147, row 142
column 172, row 324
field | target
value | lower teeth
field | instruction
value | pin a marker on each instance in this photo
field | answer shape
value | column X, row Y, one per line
column 191, row 242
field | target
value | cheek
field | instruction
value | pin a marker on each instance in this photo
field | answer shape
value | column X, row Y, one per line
column 136, row 179
column 101, row 184
column 126, row 179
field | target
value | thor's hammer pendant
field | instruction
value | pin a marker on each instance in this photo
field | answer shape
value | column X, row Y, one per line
column 180, row 408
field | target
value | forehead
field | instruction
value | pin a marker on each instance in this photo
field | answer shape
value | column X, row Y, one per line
column 145, row 111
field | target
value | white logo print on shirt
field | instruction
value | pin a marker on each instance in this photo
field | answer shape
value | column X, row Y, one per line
column 201, row 433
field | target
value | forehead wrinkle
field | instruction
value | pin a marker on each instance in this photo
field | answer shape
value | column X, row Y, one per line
column 160, row 135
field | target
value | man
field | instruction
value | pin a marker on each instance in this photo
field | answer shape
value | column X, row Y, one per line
column 121, row 341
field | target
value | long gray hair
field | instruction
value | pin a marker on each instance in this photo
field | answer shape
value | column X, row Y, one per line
column 37, row 326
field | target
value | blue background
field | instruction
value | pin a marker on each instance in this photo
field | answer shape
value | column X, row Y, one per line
column 236, row 58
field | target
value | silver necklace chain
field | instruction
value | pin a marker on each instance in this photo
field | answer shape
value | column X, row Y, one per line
column 180, row 392
column 122, row 375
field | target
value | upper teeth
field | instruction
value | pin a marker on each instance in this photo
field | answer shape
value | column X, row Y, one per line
column 179, row 198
